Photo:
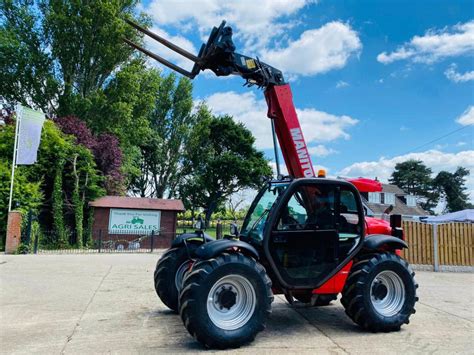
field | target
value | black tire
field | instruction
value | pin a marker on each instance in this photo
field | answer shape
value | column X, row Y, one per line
column 197, row 289
column 322, row 300
column 165, row 274
column 361, row 293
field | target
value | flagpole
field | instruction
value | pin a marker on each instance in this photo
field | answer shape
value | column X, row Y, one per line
column 17, row 128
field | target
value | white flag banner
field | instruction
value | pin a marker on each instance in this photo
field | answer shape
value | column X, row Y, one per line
column 29, row 135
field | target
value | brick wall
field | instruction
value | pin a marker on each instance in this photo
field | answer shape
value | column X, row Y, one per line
column 13, row 232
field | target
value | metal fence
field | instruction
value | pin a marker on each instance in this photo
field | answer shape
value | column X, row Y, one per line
column 97, row 241
column 101, row 241
column 216, row 228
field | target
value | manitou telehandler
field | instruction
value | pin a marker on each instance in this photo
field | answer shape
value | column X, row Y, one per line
column 305, row 237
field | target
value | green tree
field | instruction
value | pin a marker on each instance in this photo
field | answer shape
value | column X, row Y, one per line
column 124, row 105
column 55, row 53
column 68, row 57
column 58, row 205
column 170, row 123
column 78, row 206
column 85, row 184
column 54, row 175
column 221, row 159
column 415, row 178
column 452, row 188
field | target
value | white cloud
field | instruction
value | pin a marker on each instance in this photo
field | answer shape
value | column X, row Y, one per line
column 167, row 53
column 434, row 159
column 321, row 150
column 467, row 117
column 434, row 45
column 457, row 77
column 317, row 126
column 254, row 24
column 341, row 84
column 316, row 51
column 264, row 31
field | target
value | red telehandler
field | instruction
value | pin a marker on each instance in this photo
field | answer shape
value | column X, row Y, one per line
column 305, row 237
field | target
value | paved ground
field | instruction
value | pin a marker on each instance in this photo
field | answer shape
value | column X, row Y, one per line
column 106, row 304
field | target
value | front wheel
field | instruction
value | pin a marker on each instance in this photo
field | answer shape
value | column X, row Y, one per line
column 226, row 300
column 380, row 292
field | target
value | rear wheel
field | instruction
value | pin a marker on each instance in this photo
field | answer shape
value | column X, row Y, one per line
column 380, row 292
column 226, row 300
column 169, row 274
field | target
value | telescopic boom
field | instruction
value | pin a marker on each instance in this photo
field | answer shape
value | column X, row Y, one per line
column 219, row 56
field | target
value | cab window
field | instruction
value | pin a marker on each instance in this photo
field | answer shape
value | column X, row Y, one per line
column 349, row 216
column 309, row 208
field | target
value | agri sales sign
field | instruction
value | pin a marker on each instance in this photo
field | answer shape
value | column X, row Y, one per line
column 134, row 221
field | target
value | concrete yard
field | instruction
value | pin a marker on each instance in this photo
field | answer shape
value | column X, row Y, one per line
column 83, row 304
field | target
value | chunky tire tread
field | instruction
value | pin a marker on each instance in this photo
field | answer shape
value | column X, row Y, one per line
column 197, row 284
column 356, row 292
column 164, row 275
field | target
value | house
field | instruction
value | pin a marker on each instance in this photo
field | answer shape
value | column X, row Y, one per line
column 391, row 195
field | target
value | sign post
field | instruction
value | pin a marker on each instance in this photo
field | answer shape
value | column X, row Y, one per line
column 28, row 126
column 17, row 126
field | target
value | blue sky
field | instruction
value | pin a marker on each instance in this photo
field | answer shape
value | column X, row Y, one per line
column 374, row 82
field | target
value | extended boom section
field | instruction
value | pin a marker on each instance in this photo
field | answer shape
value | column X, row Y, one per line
column 219, row 56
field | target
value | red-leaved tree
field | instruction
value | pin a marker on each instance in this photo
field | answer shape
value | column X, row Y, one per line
column 105, row 147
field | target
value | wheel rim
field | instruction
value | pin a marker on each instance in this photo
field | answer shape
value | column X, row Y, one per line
column 179, row 276
column 387, row 293
column 231, row 302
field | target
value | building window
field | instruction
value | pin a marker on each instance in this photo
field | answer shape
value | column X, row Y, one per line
column 389, row 198
column 374, row 197
column 411, row 200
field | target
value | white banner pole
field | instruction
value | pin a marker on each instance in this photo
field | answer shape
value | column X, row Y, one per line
column 15, row 146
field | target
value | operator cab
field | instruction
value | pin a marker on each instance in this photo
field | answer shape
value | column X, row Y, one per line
column 308, row 228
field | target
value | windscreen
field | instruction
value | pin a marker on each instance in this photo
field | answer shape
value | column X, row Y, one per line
column 257, row 215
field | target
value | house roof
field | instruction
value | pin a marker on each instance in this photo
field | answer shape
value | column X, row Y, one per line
column 393, row 189
column 138, row 203
column 398, row 208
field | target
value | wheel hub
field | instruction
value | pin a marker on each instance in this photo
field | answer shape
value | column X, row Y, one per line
column 231, row 302
column 387, row 293
column 226, row 297
column 379, row 290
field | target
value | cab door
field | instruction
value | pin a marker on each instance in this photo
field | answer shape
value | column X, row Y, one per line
column 312, row 233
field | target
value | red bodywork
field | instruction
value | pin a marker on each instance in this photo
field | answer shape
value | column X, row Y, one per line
column 336, row 283
column 287, row 127
column 366, row 185
column 298, row 162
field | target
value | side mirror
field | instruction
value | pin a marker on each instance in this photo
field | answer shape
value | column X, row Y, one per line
column 234, row 229
column 200, row 224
